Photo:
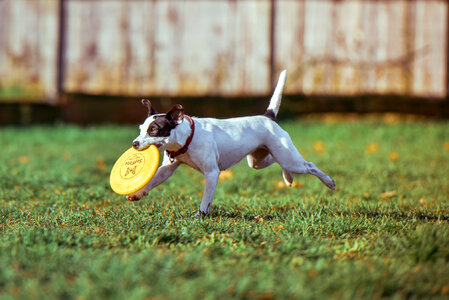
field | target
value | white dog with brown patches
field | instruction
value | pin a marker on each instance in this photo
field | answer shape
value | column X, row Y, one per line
column 211, row 145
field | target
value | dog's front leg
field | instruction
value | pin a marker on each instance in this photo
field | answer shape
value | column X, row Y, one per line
column 165, row 171
column 209, row 192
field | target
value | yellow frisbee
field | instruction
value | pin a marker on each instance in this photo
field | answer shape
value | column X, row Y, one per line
column 133, row 170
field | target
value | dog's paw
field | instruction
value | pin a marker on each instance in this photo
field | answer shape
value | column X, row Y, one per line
column 331, row 184
column 200, row 214
column 136, row 196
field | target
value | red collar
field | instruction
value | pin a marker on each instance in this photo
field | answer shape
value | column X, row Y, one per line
column 172, row 154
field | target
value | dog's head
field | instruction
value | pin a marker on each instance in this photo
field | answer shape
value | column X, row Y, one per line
column 157, row 128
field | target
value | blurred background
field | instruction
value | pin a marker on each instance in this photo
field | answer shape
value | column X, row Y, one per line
column 90, row 61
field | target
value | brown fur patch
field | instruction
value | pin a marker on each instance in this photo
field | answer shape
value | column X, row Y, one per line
column 164, row 123
column 161, row 126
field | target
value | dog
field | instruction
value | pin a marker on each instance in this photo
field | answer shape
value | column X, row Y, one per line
column 211, row 145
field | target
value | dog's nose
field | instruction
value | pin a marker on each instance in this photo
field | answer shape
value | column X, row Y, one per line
column 136, row 144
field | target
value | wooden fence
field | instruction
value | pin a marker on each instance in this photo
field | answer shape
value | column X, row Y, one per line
column 29, row 50
column 222, row 48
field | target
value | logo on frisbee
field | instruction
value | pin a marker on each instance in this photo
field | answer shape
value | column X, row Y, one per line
column 132, row 166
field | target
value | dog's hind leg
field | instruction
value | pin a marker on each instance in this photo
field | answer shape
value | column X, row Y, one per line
column 326, row 179
column 285, row 154
column 307, row 167
column 262, row 158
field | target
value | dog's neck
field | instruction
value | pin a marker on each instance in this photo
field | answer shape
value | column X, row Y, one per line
column 179, row 136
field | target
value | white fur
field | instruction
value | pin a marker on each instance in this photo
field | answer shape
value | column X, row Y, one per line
column 275, row 101
column 219, row 144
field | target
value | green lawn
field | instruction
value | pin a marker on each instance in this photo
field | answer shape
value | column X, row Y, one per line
column 383, row 233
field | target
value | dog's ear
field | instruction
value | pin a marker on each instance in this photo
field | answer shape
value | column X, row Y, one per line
column 151, row 110
column 176, row 114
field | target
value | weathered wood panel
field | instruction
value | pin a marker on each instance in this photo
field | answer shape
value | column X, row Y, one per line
column 28, row 50
column 429, row 67
column 362, row 47
column 187, row 48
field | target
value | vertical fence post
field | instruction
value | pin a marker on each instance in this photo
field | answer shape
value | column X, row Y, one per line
column 272, row 43
column 61, row 49
column 409, row 46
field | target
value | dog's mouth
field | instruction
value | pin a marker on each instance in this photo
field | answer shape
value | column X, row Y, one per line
column 158, row 145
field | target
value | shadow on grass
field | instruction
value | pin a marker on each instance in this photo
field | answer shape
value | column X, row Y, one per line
column 402, row 216
column 220, row 212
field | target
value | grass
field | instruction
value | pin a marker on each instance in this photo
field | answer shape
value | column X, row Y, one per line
column 383, row 233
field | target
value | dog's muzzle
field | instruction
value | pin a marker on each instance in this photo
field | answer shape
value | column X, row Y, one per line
column 137, row 145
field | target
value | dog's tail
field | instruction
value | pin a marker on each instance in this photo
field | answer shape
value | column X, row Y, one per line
column 275, row 101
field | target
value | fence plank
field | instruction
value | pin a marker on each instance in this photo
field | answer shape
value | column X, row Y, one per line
column 430, row 36
column 28, row 50
column 188, row 48
column 362, row 47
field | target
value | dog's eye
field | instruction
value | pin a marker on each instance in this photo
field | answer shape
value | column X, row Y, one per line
column 154, row 130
